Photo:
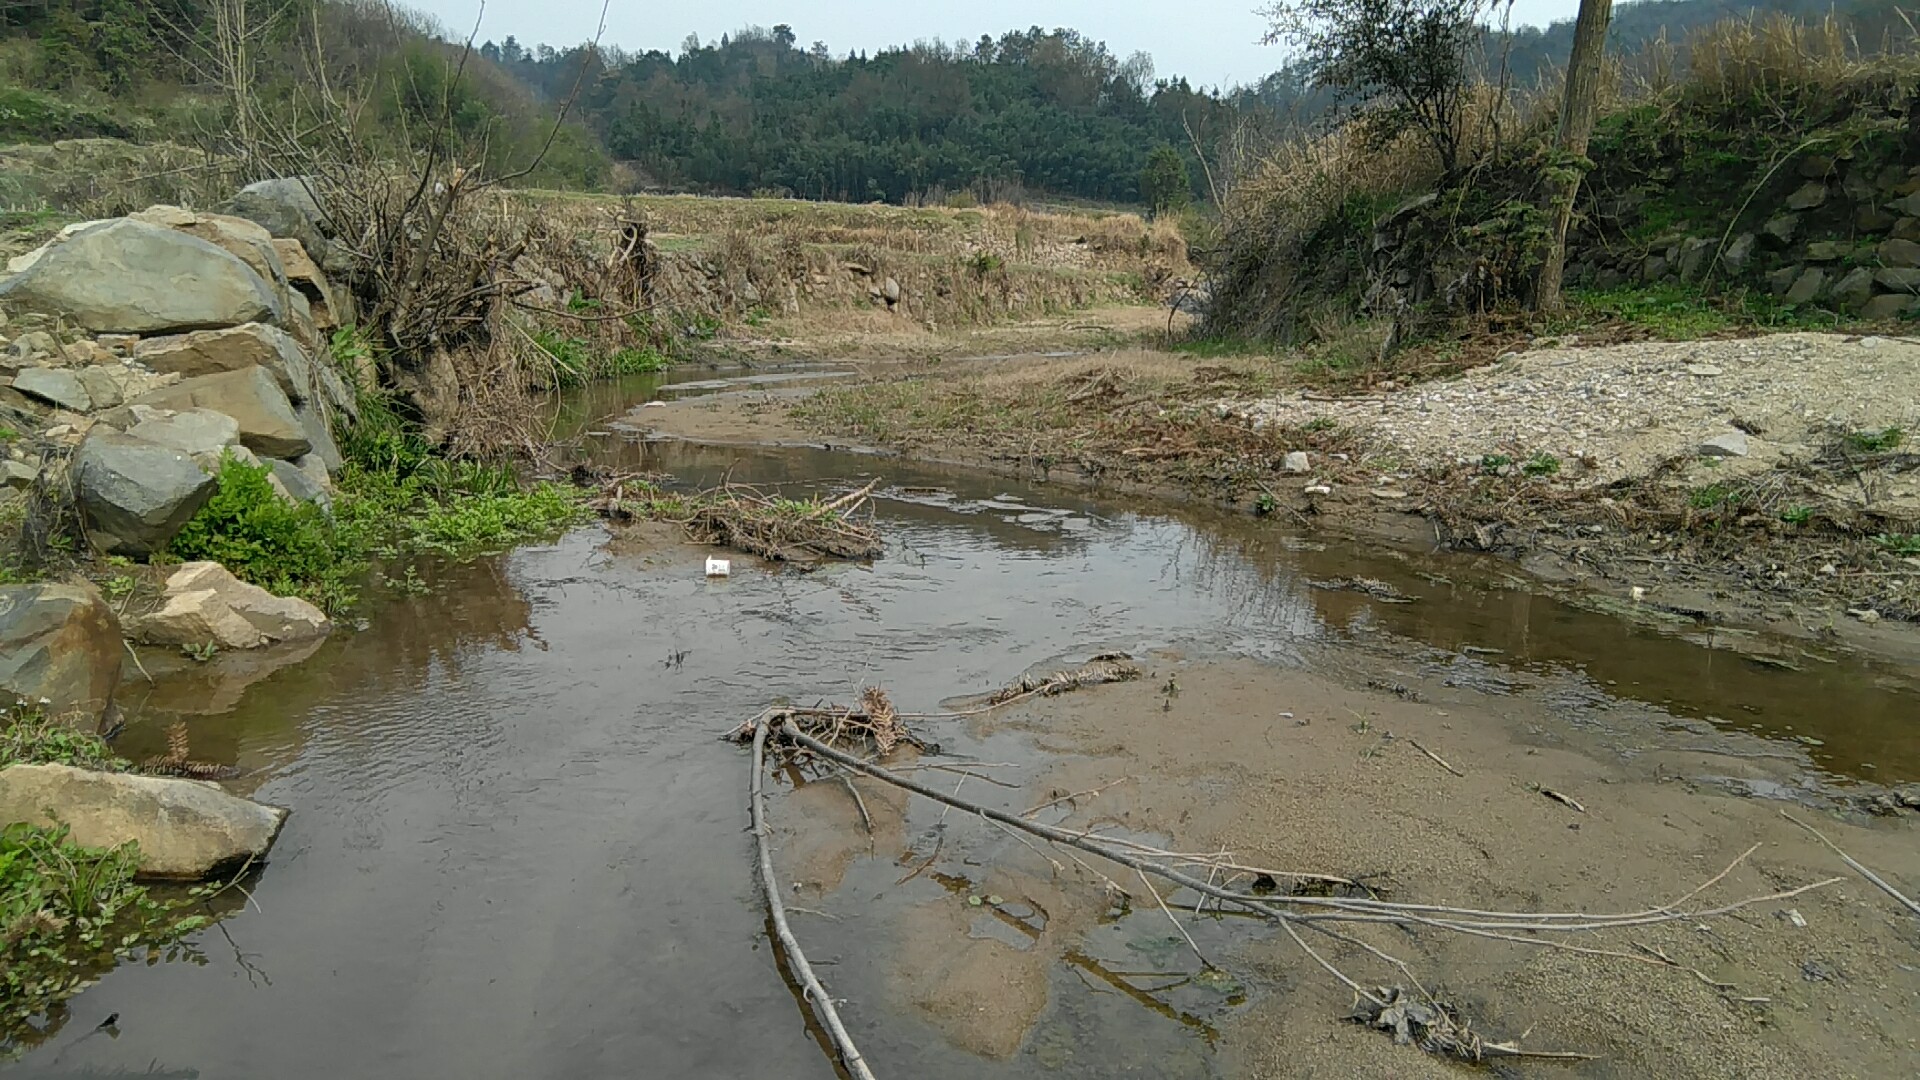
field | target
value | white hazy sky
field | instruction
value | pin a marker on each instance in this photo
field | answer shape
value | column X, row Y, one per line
column 1211, row 42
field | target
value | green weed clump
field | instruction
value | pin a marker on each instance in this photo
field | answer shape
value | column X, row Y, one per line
column 394, row 501
column 68, row 913
column 285, row 547
column 30, row 736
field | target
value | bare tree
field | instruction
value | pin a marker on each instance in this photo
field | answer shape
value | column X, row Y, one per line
column 1570, row 162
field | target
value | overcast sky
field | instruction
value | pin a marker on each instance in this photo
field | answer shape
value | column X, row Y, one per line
column 1211, row 42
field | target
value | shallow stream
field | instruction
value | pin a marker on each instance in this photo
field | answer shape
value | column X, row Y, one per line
column 517, row 846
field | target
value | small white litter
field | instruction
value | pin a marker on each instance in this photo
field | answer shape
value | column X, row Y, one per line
column 719, row 568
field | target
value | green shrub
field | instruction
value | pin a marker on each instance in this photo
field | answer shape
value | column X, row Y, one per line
column 284, row 547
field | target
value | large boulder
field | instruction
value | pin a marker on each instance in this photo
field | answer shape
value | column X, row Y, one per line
column 60, row 643
column 243, row 239
column 135, row 277
column 135, row 495
column 286, row 208
column 269, row 426
column 205, row 603
column 187, row 829
column 211, row 352
column 191, row 431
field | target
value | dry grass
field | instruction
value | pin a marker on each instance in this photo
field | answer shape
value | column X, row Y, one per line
column 1133, row 415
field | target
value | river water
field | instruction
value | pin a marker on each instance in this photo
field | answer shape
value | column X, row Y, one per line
column 517, row 846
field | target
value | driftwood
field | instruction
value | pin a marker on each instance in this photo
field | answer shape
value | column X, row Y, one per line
column 748, row 519
column 1425, row 1020
column 816, row 993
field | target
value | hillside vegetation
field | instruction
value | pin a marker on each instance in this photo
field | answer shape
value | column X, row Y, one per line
column 1755, row 174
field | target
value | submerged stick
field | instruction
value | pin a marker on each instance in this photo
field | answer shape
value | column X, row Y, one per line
column 1856, row 865
column 816, row 993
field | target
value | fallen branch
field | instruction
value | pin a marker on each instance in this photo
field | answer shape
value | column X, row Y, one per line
column 1437, row 759
column 1856, row 865
column 815, row 993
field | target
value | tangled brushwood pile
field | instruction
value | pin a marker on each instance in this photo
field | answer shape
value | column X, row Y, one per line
column 750, row 519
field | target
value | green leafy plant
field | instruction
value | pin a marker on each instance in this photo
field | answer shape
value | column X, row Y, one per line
column 1495, row 464
column 1541, row 464
column 1899, row 543
column 1716, row 497
column 200, row 652
column 68, row 913
column 1875, row 442
column 285, row 547
column 30, row 735
column 1797, row 515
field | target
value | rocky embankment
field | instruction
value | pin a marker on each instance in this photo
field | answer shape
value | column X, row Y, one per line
column 137, row 355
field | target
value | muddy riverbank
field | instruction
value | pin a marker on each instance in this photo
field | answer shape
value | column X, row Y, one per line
column 517, row 846
column 1811, row 547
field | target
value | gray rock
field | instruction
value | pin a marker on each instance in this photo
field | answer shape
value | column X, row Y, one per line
column 1888, row 306
column 319, row 436
column 134, row 277
column 17, row 475
column 269, row 425
column 1739, row 253
column 190, row 431
column 1808, row 287
column 286, row 208
column 1907, row 228
column 60, row 643
column 1779, row 281
column 186, row 829
column 1732, row 444
column 1827, row 250
column 241, row 238
column 210, row 352
column 299, row 485
column 891, row 290
column 56, row 386
column 1297, row 462
column 316, row 470
column 1810, row 196
column 1694, row 253
column 1653, row 268
column 1871, row 219
column 1816, row 166
column 1899, row 279
column 1901, row 254
column 1854, row 289
column 33, row 345
column 1908, row 205
column 1781, row 229
column 134, row 496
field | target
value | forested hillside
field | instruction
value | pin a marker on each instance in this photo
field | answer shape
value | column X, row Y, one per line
column 1051, row 110
column 1044, row 111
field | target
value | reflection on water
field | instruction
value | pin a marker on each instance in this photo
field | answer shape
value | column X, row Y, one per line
column 517, row 847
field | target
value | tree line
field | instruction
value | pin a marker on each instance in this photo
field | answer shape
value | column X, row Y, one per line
column 1050, row 110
